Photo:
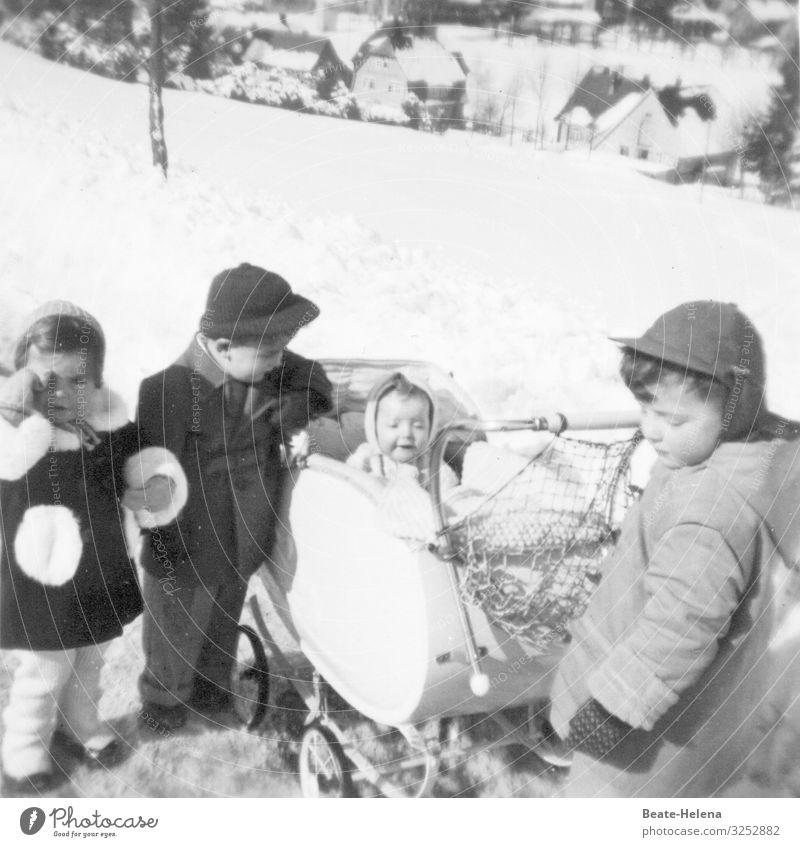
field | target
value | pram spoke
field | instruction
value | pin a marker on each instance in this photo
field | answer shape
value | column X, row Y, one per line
column 323, row 765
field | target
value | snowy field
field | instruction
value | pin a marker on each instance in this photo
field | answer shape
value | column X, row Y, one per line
column 505, row 265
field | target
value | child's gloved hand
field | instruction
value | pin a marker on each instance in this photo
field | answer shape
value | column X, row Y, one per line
column 595, row 731
column 156, row 488
column 20, row 394
column 154, row 496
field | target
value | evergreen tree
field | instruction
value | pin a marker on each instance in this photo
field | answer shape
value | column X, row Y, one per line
column 771, row 144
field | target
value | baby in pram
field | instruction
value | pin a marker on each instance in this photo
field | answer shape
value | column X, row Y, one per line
column 400, row 423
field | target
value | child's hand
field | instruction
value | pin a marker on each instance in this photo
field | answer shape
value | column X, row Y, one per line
column 21, row 393
column 154, row 497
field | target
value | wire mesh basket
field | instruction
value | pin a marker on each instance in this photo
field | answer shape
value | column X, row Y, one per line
column 531, row 554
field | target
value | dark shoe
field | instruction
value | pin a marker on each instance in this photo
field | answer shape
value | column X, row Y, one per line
column 31, row 786
column 162, row 718
column 64, row 745
column 548, row 745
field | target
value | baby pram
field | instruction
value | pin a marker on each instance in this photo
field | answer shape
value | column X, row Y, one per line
column 411, row 634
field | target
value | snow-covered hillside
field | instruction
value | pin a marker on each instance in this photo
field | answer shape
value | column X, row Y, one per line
column 505, row 265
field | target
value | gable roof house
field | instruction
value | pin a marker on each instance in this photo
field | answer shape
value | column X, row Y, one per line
column 694, row 20
column 669, row 133
column 397, row 61
column 299, row 54
column 753, row 20
column 569, row 21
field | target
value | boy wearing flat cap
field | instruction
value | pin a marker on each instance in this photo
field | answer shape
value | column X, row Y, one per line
column 225, row 408
column 663, row 688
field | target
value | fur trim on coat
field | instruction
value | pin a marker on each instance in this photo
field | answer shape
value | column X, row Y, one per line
column 143, row 467
column 48, row 544
column 21, row 447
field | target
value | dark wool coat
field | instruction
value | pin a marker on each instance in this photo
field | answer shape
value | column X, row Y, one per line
column 231, row 457
column 66, row 577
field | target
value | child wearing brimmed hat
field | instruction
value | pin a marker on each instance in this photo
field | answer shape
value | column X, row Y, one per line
column 660, row 691
column 227, row 408
column 67, row 582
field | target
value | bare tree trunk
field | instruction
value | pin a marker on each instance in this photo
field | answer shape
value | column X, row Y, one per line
column 156, row 68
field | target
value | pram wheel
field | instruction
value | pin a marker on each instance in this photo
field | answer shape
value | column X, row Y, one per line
column 323, row 765
column 250, row 678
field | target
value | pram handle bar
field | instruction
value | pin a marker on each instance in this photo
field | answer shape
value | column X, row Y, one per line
column 556, row 423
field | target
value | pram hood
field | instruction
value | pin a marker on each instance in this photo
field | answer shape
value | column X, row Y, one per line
column 342, row 430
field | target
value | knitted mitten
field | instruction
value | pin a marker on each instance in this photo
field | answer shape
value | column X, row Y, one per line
column 595, row 731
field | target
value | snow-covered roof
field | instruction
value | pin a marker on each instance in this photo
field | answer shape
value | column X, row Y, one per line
column 564, row 15
column 770, row 11
column 616, row 114
column 697, row 12
column 263, row 53
column 420, row 59
column 767, row 42
column 428, row 61
column 601, row 89
column 379, row 46
column 565, row 4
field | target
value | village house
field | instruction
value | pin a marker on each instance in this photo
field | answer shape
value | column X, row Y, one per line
column 299, row 54
column 570, row 21
column 397, row 61
column 670, row 132
column 753, row 20
column 698, row 21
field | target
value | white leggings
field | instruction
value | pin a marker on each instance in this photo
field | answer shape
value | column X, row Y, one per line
column 52, row 689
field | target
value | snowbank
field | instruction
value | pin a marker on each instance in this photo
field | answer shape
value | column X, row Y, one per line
column 508, row 268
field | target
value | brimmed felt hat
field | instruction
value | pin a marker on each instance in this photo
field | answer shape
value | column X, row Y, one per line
column 709, row 337
column 249, row 301
column 718, row 340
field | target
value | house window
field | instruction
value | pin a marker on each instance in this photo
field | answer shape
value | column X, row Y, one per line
column 390, row 87
column 642, row 153
column 384, row 64
column 371, row 84
column 623, row 150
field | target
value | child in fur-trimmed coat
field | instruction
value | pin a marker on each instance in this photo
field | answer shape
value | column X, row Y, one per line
column 67, row 582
